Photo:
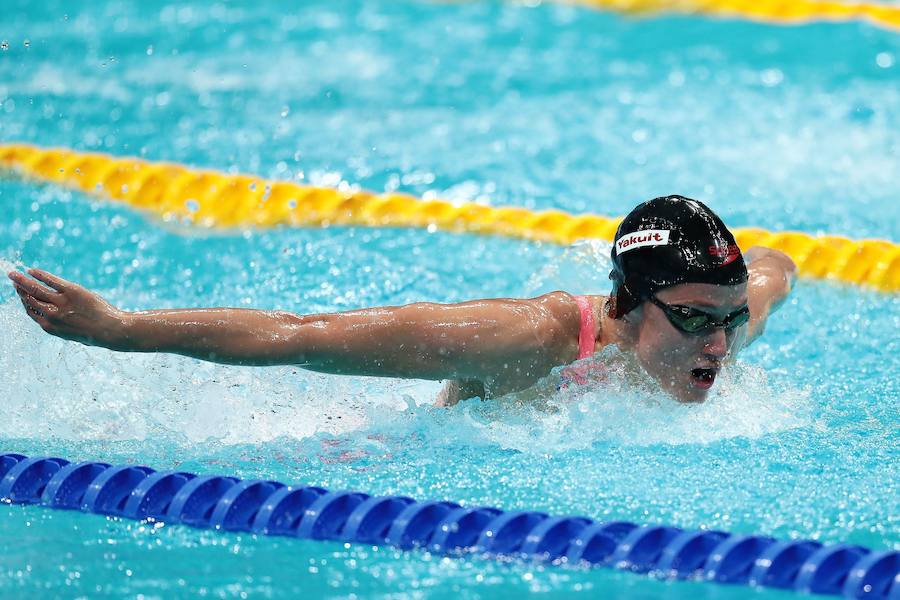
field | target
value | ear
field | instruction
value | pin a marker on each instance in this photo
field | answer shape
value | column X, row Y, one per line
column 629, row 327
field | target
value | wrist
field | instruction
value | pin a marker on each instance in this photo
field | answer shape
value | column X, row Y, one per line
column 122, row 331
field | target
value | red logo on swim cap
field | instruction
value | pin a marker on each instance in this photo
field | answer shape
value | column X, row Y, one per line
column 727, row 252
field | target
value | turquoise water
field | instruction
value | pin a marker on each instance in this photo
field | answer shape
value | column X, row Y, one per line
column 544, row 107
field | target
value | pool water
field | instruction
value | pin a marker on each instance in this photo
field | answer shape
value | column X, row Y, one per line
column 547, row 106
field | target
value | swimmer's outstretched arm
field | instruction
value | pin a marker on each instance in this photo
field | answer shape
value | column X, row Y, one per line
column 504, row 340
column 771, row 278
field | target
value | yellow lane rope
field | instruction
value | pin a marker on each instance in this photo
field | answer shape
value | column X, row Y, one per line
column 212, row 199
column 769, row 11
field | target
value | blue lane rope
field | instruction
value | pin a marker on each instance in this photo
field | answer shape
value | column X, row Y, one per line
column 273, row 508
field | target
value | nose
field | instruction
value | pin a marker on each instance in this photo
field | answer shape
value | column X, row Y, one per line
column 716, row 343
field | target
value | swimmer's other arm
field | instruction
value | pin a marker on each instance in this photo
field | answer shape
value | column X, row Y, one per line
column 771, row 278
column 504, row 340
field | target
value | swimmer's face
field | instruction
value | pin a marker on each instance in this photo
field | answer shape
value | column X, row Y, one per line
column 686, row 365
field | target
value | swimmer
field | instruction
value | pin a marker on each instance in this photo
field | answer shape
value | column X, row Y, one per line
column 684, row 301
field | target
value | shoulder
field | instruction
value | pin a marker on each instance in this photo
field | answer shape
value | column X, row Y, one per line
column 771, row 278
column 560, row 308
column 562, row 323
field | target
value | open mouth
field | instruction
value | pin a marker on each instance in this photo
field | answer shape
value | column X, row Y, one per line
column 703, row 377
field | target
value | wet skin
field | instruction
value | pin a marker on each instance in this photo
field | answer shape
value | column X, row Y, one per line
column 669, row 355
column 485, row 348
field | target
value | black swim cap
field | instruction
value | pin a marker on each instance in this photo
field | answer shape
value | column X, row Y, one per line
column 667, row 241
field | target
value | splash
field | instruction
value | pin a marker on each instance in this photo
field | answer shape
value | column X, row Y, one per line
column 629, row 409
column 582, row 268
column 11, row 265
column 65, row 390
column 68, row 391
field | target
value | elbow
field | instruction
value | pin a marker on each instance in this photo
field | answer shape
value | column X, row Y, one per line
column 297, row 336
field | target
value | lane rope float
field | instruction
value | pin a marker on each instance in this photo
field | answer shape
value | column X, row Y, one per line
column 447, row 528
column 778, row 12
column 213, row 199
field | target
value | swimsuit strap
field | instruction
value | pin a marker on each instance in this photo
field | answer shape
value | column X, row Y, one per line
column 586, row 333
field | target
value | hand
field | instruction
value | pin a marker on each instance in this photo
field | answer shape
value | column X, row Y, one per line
column 69, row 311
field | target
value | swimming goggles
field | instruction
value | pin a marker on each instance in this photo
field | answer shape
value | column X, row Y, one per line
column 696, row 322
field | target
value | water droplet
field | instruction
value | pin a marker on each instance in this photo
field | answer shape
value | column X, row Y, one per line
column 885, row 60
column 192, row 205
column 771, row 77
column 862, row 112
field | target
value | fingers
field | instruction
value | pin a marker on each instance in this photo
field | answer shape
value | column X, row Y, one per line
column 33, row 311
column 40, row 320
column 33, row 305
column 34, row 288
column 57, row 283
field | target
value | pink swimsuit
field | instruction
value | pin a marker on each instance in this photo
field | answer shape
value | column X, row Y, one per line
column 583, row 373
column 586, row 333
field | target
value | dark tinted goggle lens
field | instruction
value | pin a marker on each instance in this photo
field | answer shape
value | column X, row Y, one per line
column 690, row 320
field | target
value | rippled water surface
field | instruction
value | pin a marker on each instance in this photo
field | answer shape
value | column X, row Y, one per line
column 549, row 106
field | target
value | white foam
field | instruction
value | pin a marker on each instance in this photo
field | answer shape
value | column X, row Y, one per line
column 62, row 389
column 10, row 265
column 629, row 411
column 582, row 268
column 66, row 390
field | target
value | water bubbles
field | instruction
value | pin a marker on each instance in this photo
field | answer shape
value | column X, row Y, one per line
column 863, row 113
column 625, row 98
column 4, row 45
column 162, row 99
column 27, row 43
column 149, row 50
column 677, row 78
column 185, row 15
column 771, row 77
column 285, row 111
column 885, row 60
column 192, row 205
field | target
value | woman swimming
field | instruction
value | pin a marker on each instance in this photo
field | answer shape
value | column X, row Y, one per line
column 683, row 302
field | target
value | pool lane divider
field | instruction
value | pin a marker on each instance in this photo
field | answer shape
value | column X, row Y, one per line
column 218, row 200
column 447, row 528
column 777, row 12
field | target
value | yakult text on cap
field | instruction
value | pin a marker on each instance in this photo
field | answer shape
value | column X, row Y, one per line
column 641, row 239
